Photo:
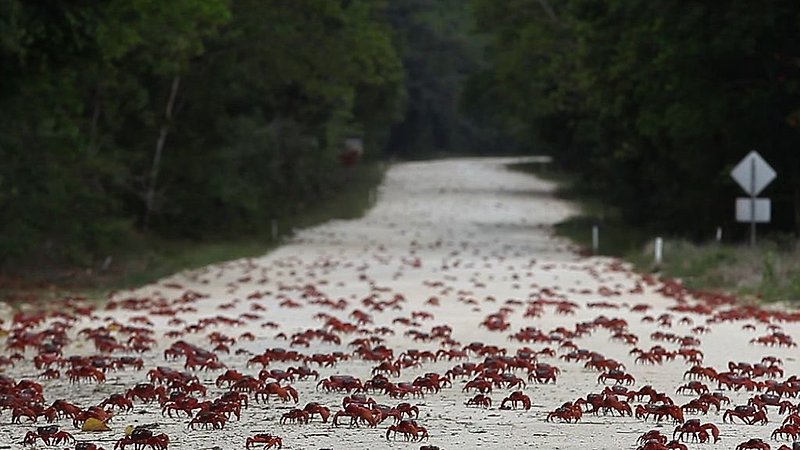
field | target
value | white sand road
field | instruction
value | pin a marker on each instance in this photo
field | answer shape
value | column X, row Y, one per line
column 467, row 231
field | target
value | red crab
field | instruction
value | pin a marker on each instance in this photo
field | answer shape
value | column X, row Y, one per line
column 296, row 416
column 567, row 412
column 50, row 435
column 263, row 438
column 410, row 429
column 515, row 398
column 316, row 408
column 143, row 437
column 481, row 400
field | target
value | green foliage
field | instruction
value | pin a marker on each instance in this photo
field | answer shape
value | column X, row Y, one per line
column 155, row 257
column 265, row 93
column 439, row 51
column 652, row 102
column 760, row 272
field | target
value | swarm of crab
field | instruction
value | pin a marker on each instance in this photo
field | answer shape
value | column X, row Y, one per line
column 279, row 350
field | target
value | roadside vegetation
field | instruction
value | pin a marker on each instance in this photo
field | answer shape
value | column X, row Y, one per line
column 141, row 138
column 649, row 118
column 146, row 137
column 150, row 257
column 769, row 272
column 650, row 104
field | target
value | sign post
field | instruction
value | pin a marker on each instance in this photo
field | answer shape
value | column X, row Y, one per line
column 753, row 174
column 752, row 202
column 659, row 250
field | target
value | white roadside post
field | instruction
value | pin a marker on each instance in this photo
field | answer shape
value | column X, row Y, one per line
column 719, row 234
column 753, row 174
column 595, row 239
column 659, row 250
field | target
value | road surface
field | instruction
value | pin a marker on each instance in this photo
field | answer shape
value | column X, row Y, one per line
column 467, row 232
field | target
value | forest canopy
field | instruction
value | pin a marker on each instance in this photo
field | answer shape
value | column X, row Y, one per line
column 652, row 102
column 182, row 117
column 205, row 118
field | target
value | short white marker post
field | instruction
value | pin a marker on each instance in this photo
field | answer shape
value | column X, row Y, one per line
column 719, row 234
column 595, row 238
column 659, row 250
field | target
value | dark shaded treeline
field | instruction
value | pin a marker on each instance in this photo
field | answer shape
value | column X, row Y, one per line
column 440, row 51
column 653, row 102
column 207, row 118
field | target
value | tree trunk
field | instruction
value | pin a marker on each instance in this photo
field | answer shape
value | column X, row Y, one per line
column 162, row 138
column 549, row 10
column 93, row 144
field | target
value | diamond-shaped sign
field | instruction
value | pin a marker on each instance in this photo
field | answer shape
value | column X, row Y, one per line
column 753, row 173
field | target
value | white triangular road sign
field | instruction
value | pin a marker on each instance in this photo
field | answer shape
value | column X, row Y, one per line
column 753, row 173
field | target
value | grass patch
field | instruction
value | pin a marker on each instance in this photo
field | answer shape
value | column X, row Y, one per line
column 153, row 257
column 770, row 272
column 767, row 272
column 616, row 237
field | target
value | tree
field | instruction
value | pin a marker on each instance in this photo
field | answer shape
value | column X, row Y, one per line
column 439, row 51
column 651, row 102
column 191, row 117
